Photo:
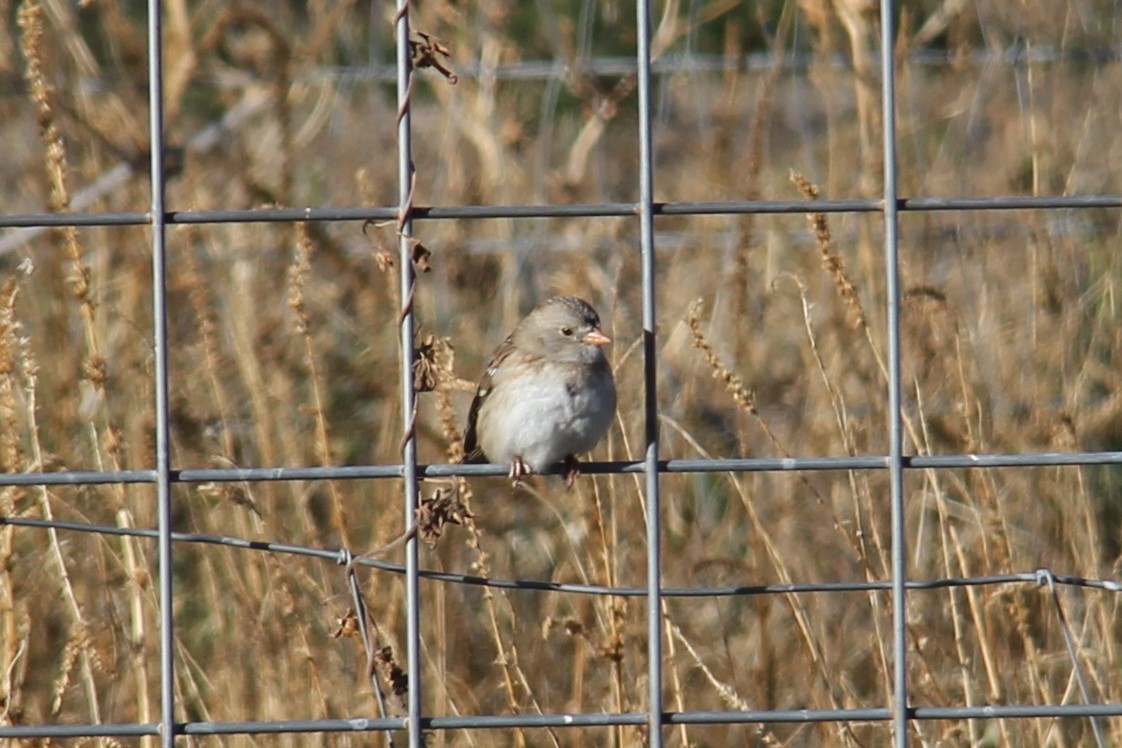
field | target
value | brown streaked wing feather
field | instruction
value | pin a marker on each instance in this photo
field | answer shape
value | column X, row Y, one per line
column 473, row 452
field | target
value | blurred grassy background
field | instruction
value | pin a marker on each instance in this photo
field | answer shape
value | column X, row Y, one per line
column 283, row 352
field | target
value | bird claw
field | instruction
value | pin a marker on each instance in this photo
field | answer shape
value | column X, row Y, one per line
column 571, row 469
column 518, row 470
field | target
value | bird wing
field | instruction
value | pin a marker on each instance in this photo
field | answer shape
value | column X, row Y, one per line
column 473, row 451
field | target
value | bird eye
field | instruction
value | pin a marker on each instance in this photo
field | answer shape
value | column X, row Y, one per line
column 567, row 332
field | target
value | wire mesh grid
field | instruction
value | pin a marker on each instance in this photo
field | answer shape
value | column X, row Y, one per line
column 655, row 717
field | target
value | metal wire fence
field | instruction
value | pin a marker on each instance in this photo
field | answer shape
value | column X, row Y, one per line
column 656, row 718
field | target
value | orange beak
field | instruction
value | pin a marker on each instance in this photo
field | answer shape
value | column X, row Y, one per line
column 597, row 337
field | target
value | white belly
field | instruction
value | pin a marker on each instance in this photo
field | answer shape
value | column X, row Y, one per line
column 544, row 425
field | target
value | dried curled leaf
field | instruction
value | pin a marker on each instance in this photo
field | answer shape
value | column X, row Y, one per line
column 426, row 51
column 347, row 626
column 444, row 507
column 396, row 678
column 432, row 361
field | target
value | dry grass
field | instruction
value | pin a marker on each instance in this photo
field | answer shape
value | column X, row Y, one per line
column 284, row 351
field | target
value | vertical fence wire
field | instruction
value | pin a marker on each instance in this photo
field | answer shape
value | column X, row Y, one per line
column 408, row 393
column 160, row 372
column 895, row 417
column 650, row 378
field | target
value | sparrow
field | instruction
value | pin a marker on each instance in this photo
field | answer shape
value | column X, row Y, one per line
column 547, row 394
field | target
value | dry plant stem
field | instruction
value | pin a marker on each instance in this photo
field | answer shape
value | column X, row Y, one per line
column 438, row 664
column 834, row 265
column 67, row 588
column 745, row 398
column 802, row 618
column 727, row 693
column 985, row 636
column 370, row 644
column 298, row 274
column 675, row 676
column 1033, row 658
column 949, row 570
column 13, row 645
column 1034, row 129
column 841, row 415
column 603, row 109
column 506, row 657
column 205, row 316
column 62, row 17
column 1088, row 634
column 192, row 672
column 239, row 318
column 938, row 22
column 608, row 613
column 182, row 59
column 859, row 491
column 94, row 372
column 511, row 656
column 391, row 546
column 384, row 259
column 857, row 18
column 609, row 610
column 616, row 609
column 761, row 120
column 252, row 523
column 78, row 621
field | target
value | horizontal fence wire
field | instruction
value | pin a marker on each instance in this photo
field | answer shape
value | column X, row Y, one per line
column 344, row 557
column 671, row 64
column 577, row 720
column 682, row 466
column 585, row 210
column 656, row 716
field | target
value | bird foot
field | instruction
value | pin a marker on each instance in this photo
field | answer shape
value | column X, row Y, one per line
column 518, row 470
column 571, row 467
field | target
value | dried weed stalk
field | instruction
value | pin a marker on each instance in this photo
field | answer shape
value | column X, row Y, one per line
column 832, row 262
column 761, row 121
column 434, row 371
column 297, row 278
column 392, row 675
column 746, row 399
column 10, row 347
column 202, row 305
column 107, row 441
column 42, row 97
column 453, row 505
column 742, row 395
column 11, row 461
